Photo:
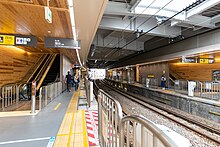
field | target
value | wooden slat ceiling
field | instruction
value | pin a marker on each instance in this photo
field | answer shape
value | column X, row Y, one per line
column 26, row 17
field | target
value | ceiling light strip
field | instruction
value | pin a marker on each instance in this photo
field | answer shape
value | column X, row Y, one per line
column 72, row 19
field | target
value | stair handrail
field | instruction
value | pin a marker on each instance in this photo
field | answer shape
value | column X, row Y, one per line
column 41, row 61
column 45, row 73
column 37, row 78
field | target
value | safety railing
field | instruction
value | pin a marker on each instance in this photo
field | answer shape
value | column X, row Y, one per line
column 48, row 93
column 9, row 95
column 87, row 85
column 116, row 131
column 206, row 89
column 137, row 131
column 110, row 115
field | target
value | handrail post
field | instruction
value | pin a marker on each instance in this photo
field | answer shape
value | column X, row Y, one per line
column 40, row 98
column 33, row 97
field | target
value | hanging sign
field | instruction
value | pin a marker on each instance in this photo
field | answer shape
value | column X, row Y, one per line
column 48, row 14
column 18, row 40
column 206, row 60
column 61, row 43
column 23, row 40
column 7, row 39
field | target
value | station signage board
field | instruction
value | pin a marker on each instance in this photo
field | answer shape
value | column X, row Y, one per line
column 61, row 43
column 7, row 39
column 206, row 60
column 23, row 40
column 188, row 60
column 97, row 73
column 18, row 40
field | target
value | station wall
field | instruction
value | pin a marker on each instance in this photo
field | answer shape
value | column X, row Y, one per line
column 194, row 71
column 153, row 71
column 14, row 64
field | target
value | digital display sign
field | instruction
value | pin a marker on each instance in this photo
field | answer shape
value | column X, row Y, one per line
column 61, row 43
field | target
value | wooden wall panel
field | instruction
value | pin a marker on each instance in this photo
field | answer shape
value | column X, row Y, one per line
column 153, row 69
column 194, row 71
column 14, row 64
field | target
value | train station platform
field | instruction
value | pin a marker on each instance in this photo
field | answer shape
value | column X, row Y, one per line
column 61, row 123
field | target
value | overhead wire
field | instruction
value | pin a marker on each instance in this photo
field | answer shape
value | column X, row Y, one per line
column 157, row 26
column 197, row 24
column 141, row 25
column 136, row 16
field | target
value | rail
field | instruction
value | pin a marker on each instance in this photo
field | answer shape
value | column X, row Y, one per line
column 140, row 132
column 110, row 115
column 9, row 95
column 114, row 129
column 48, row 93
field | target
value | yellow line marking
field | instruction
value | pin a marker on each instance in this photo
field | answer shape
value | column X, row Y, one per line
column 85, row 135
column 70, row 132
column 58, row 105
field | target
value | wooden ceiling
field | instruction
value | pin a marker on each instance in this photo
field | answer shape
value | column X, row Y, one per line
column 26, row 17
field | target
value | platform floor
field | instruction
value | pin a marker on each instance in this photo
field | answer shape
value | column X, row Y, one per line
column 61, row 124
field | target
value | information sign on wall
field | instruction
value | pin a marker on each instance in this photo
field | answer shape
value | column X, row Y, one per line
column 61, row 43
column 216, row 75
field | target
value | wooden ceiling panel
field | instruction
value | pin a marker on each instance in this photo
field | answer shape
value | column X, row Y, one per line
column 26, row 17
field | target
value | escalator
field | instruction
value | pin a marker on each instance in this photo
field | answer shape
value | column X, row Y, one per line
column 53, row 74
column 38, row 76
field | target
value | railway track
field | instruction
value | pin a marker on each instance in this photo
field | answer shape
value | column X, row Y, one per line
column 169, row 113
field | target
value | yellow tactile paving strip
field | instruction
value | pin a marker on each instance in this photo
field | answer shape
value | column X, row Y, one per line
column 73, row 131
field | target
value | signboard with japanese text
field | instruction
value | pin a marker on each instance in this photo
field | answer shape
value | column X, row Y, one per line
column 18, row 40
column 61, row 43
column 7, row 40
column 97, row 73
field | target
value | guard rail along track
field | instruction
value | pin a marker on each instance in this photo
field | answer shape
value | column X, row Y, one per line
column 170, row 111
column 118, row 131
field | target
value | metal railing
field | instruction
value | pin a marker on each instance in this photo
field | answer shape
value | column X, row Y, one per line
column 206, row 89
column 48, row 93
column 110, row 115
column 9, row 95
column 137, row 131
column 116, row 131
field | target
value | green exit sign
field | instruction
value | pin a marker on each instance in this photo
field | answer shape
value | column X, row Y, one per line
column 48, row 14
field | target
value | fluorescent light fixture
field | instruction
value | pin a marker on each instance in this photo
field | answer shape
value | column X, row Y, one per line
column 72, row 19
column 70, row 2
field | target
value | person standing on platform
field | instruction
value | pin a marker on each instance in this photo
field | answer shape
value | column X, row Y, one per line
column 68, row 81
column 76, row 81
column 163, row 82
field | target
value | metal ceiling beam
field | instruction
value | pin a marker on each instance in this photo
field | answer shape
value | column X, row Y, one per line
column 204, row 43
column 116, row 42
column 116, row 8
column 215, row 19
column 195, row 20
column 131, row 26
column 202, row 7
